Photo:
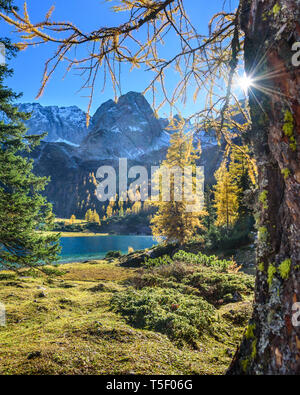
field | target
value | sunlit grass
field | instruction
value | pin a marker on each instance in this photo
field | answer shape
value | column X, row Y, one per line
column 65, row 325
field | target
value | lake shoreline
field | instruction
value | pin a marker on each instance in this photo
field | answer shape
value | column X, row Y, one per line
column 84, row 248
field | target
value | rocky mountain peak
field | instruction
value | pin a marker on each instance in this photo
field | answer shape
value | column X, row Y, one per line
column 135, row 101
column 126, row 128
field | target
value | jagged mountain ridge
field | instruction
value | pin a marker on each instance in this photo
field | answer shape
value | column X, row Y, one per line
column 63, row 124
column 127, row 128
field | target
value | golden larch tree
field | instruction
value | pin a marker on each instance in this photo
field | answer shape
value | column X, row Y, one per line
column 173, row 219
column 226, row 199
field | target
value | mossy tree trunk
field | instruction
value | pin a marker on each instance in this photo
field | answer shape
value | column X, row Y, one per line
column 271, row 344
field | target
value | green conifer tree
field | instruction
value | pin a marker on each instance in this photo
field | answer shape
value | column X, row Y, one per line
column 24, row 212
column 241, row 173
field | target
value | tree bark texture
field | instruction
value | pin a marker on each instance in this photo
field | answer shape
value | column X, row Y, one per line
column 271, row 344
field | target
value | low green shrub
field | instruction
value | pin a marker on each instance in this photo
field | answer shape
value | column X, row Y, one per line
column 7, row 276
column 183, row 318
column 53, row 271
column 113, row 254
column 202, row 259
column 219, row 288
column 190, row 258
column 240, row 314
column 154, row 280
column 160, row 261
column 215, row 286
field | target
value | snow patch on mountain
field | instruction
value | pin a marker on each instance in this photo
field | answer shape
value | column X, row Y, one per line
column 60, row 140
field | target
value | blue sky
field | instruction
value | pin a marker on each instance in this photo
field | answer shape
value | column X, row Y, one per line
column 88, row 15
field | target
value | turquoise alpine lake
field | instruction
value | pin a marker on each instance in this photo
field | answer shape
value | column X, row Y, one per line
column 78, row 249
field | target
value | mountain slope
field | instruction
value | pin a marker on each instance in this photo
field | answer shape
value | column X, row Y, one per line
column 61, row 123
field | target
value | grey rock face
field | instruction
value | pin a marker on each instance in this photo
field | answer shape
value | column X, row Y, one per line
column 126, row 129
column 63, row 124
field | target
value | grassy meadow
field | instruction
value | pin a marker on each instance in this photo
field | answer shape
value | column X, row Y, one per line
column 184, row 315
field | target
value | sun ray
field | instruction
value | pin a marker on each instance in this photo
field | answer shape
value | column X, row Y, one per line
column 270, row 75
column 269, row 91
column 255, row 67
column 261, row 107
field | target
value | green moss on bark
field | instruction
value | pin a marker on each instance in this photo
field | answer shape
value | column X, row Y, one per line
column 288, row 129
column 276, row 9
column 250, row 331
column 261, row 266
column 271, row 274
column 262, row 234
column 285, row 268
column 286, row 173
column 263, row 198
